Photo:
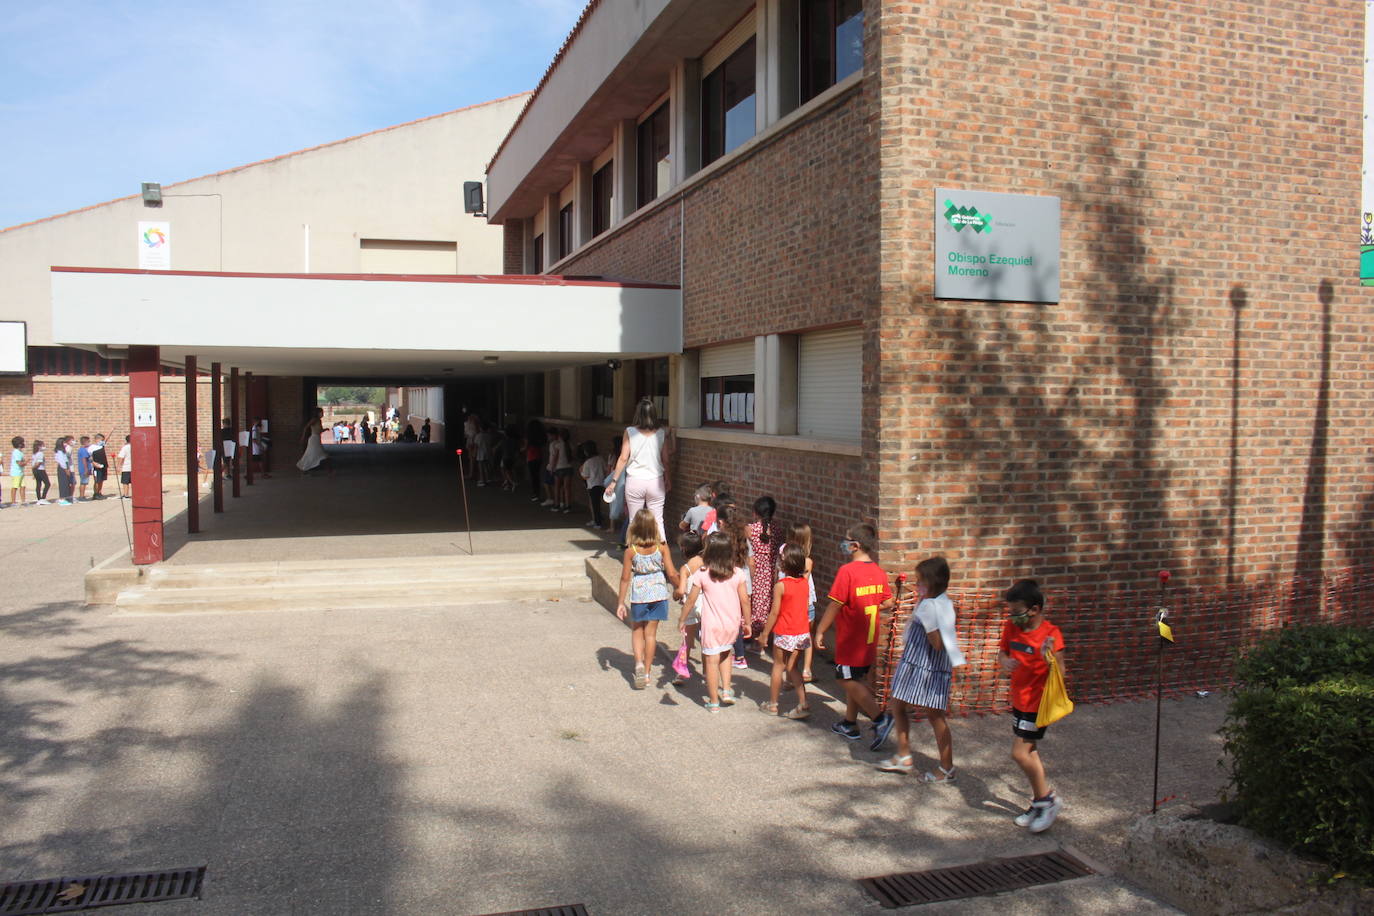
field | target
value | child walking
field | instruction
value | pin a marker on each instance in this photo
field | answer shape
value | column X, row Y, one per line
column 17, row 462
column 1028, row 642
column 644, row 578
column 39, row 469
column 689, row 542
column 930, row 653
column 765, row 540
column 593, row 471
column 790, row 630
column 719, row 585
column 800, row 534
column 857, row 599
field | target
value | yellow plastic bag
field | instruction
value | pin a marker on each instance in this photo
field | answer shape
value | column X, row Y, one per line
column 1054, row 702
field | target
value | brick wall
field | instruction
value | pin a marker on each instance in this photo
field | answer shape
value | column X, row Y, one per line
column 1200, row 398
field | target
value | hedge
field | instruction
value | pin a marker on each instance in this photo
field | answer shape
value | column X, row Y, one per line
column 1300, row 735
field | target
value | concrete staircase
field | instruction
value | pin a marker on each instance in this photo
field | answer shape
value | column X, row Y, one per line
column 372, row 583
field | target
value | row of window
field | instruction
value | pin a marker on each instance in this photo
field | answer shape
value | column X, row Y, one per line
column 830, row 47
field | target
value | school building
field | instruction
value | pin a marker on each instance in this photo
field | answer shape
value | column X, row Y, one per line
column 1053, row 290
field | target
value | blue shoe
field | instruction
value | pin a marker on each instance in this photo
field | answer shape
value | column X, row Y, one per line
column 882, row 727
column 845, row 729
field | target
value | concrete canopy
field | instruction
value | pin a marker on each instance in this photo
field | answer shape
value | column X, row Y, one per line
column 366, row 325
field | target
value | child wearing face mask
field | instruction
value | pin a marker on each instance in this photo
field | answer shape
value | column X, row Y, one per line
column 1028, row 642
column 856, row 602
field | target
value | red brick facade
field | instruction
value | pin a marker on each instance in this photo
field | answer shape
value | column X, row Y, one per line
column 1198, row 400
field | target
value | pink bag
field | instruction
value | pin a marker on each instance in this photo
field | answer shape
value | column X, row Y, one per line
column 680, row 662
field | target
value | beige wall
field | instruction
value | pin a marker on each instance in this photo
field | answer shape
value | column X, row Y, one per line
column 399, row 184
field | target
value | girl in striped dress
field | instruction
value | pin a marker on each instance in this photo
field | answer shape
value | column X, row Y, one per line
column 930, row 653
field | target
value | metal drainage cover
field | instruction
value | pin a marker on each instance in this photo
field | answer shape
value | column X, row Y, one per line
column 992, row 877
column 66, row 895
column 576, row 909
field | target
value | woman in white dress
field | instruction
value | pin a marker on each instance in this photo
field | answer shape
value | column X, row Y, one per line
column 314, row 455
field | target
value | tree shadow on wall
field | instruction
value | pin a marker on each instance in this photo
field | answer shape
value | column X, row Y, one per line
column 1056, row 422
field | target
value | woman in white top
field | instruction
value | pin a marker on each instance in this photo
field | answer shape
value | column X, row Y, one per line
column 314, row 455
column 645, row 460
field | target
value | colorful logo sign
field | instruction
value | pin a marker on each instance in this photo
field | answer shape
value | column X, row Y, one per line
column 153, row 237
column 959, row 217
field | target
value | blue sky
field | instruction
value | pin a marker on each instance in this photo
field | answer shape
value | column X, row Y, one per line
column 99, row 96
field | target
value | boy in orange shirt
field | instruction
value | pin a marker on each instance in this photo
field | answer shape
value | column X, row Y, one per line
column 857, row 599
column 1028, row 642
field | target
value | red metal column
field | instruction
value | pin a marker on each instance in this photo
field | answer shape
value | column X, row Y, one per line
column 145, row 437
column 248, row 424
column 216, row 405
column 192, row 450
column 235, row 425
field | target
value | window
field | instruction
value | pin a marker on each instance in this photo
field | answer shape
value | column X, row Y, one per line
column 565, row 231
column 831, row 43
column 727, row 104
column 603, row 392
column 651, row 381
column 653, row 155
column 727, row 385
column 603, row 192
column 830, row 384
column 539, row 253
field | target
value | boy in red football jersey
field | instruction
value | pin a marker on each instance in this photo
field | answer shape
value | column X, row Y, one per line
column 857, row 599
column 1028, row 640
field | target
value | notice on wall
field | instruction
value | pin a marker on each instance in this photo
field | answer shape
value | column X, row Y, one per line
column 996, row 247
column 154, row 246
column 145, row 412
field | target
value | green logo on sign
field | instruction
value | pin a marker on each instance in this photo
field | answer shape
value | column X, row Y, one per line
column 959, row 217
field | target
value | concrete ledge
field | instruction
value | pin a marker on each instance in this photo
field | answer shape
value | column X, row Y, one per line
column 1215, row 869
column 603, row 571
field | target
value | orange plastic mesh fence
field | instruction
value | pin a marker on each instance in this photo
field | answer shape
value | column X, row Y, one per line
column 1111, row 642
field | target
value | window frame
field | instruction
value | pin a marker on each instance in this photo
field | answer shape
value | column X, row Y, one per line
column 646, row 167
column 717, row 384
column 714, row 136
column 538, row 243
column 808, row 87
column 565, row 230
column 603, row 195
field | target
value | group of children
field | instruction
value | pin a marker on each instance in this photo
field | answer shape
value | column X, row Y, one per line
column 742, row 580
column 75, row 467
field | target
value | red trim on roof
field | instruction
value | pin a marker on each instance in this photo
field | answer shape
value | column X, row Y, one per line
column 489, row 279
column 239, row 168
column 557, row 58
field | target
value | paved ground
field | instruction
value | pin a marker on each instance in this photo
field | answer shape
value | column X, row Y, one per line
column 488, row 758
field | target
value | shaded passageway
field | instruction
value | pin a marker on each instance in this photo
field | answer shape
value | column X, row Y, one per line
column 395, row 500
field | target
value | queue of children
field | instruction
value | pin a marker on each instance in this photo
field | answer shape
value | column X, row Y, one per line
column 733, row 567
column 74, row 463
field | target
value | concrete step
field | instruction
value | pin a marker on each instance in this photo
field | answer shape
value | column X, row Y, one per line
column 402, row 571
column 287, row 595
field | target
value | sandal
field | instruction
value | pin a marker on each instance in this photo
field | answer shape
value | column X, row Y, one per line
column 727, row 698
column 945, row 775
column 712, row 707
column 897, row 764
column 768, row 707
column 798, row 712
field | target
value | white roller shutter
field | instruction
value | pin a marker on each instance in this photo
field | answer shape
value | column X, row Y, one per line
column 830, row 384
column 728, row 359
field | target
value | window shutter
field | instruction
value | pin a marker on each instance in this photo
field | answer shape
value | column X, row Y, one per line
column 728, row 359
column 830, row 384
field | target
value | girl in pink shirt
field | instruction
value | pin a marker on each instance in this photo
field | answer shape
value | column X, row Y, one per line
column 724, row 610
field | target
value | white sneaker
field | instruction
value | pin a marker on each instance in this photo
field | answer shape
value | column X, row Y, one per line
column 41, row 502
column 1024, row 818
column 1045, row 813
column 546, row 503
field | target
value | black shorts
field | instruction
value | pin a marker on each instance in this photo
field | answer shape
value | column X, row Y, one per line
column 123, row 476
column 851, row 672
column 100, row 475
column 562, row 473
column 1023, row 725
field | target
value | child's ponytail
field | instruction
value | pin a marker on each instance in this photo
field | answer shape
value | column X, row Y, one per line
column 764, row 507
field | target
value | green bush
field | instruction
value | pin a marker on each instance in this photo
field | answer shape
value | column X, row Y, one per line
column 1300, row 735
column 1295, row 656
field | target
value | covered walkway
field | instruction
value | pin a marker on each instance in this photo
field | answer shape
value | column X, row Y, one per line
column 395, row 500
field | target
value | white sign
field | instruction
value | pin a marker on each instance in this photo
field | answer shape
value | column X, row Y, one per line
column 14, row 350
column 154, row 246
column 996, row 247
column 145, row 412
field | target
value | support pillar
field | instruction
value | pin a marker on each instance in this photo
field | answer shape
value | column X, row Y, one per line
column 192, row 451
column 248, row 409
column 145, row 439
column 216, row 416
column 235, row 425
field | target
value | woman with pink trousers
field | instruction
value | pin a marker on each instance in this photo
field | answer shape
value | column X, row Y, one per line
column 644, row 460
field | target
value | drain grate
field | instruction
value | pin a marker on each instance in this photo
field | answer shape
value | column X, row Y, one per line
column 67, row 895
column 992, row 877
column 576, row 909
